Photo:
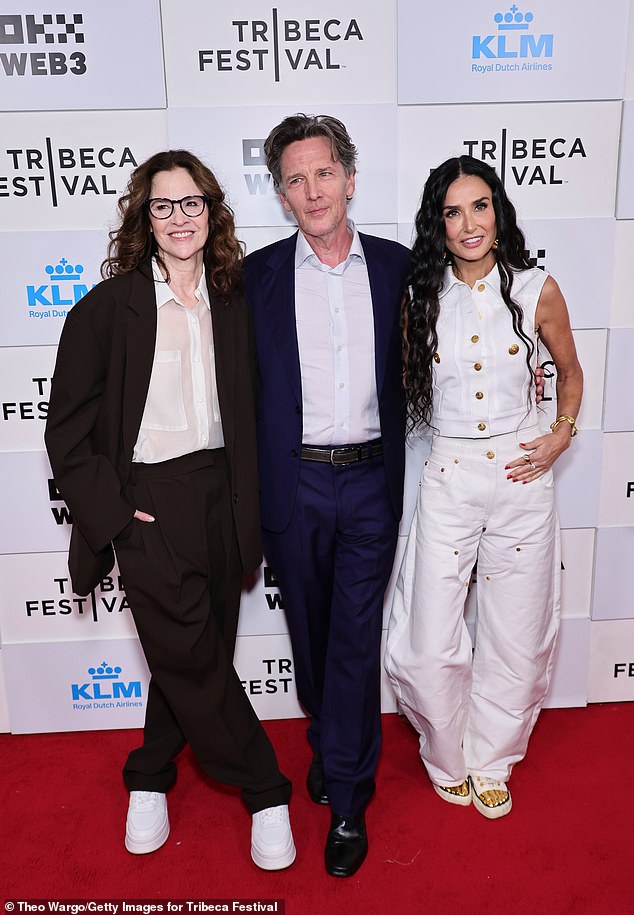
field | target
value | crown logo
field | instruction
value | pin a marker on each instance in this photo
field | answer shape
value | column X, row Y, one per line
column 513, row 20
column 104, row 672
column 64, row 270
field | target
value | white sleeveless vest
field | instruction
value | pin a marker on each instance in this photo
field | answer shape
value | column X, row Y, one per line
column 481, row 381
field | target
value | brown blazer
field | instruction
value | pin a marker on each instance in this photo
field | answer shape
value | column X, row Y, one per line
column 98, row 394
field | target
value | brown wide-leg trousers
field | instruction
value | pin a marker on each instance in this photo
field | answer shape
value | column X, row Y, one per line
column 182, row 575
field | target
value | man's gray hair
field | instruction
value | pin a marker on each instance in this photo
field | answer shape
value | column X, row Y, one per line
column 305, row 127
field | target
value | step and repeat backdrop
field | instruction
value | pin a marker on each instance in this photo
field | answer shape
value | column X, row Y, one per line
column 543, row 91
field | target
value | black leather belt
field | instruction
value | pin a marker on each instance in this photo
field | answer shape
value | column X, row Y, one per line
column 346, row 454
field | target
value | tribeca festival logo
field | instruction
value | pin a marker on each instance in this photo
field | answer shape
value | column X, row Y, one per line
column 65, row 287
column 106, row 690
column 35, row 31
column 524, row 161
column 107, row 600
column 59, row 172
column 278, row 44
column 511, row 43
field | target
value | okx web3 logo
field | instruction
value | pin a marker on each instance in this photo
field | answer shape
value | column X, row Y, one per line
column 26, row 44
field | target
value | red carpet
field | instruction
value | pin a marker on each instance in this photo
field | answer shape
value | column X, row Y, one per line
column 566, row 848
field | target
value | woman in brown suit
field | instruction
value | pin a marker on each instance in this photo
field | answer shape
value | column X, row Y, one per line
column 151, row 437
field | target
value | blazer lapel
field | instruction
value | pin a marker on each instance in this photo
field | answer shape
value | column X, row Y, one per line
column 278, row 301
column 140, row 345
column 224, row 360
column 382, row 299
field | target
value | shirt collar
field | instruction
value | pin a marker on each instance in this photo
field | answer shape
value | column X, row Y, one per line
column 164, row 294
column 492, row 280
column 304, row 254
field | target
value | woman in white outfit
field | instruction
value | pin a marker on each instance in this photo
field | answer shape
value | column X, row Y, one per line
column 472, row 319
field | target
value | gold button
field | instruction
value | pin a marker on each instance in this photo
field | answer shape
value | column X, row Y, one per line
column 482, row 426
column 436, row 357
column 475, row 338
column 456, row 461
column 442, row 469
column 514, row 349
column 481, row 287
column 455, row 552
column 477, row 366
column 490, row 455
column 479, row 395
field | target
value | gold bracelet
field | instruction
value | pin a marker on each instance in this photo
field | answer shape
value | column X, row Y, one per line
column 564, row 418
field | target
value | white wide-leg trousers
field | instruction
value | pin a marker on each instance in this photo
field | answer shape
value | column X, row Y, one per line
column 475, row 706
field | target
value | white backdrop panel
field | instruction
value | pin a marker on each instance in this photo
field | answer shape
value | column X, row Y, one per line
column 67, row 170
column 35, row 517
column 625, row 193
column 37, row 603
column 43, row 275
column 617, row 480
column 25, row 382
column 611, row 668
column 4, row 705
column 561, row 245
column 569, row 683
column 100, row 55
column 293, row 52
column 231, row 141
column 577, row 551
column 557, row 161
column 613, row 598
column 534, row 56
column 261, row 606
column 629, row 72
column 68, row 687
column 619, row 383
column 622, row 304
column 577, row 478
column 265, row 667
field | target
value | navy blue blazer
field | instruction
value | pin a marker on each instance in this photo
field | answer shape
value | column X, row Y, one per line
column 269, row 285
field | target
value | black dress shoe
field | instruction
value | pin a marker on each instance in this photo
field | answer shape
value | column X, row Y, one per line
column 346, row 845
column 315, row 781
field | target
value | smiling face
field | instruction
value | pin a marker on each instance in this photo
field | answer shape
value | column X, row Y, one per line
column 314, row 189
column 470, row 227
column 180, row 238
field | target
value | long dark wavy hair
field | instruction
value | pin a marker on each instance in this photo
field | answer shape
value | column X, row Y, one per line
column 429, row 259
column 133, row 243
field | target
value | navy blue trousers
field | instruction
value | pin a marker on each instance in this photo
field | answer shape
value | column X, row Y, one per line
column 333, row 563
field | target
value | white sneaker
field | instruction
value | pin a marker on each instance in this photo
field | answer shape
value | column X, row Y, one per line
column 147, row 826
column 272, row 846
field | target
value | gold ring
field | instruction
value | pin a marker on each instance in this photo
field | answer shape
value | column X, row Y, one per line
column 527, row 458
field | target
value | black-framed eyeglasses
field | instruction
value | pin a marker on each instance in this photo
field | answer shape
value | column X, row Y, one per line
column 163, row 207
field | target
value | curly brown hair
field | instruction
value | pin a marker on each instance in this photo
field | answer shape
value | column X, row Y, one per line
column 133, row 243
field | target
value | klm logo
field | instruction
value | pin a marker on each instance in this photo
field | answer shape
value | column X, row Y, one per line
column 512, row 39
column 65, row 288
column 253, row 157
column 105, row 684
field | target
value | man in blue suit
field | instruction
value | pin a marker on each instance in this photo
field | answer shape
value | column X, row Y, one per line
column 331, row 428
